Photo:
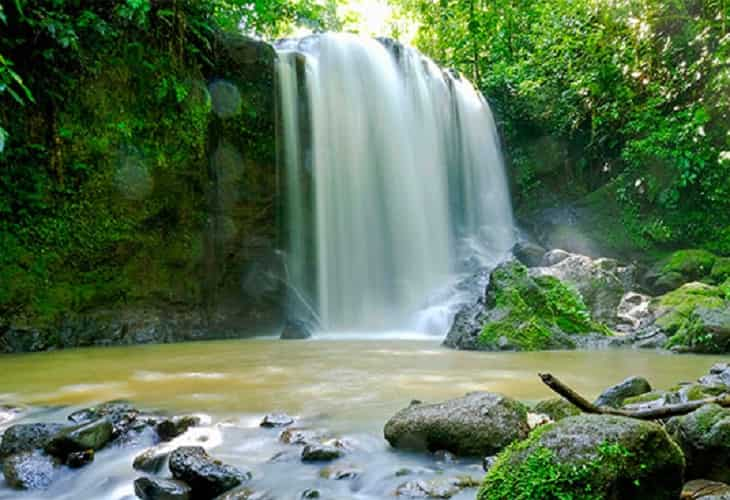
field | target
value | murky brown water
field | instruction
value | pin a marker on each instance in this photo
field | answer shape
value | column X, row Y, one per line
column 350, row 387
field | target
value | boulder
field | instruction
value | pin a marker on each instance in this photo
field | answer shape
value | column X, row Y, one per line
column 90, row 436
column 672, row 309
column 479, row 424
column 152, row 460
column 318, row 452
column 706, row 331
column 601, row 283
column 519, row 312
column 556, row 408
column 633, row 312
column 615, row 395
column 153, row 488
column 124, row 417
column 277, row 420
column 678, row 268
column 295, row 435
column 589, row 456
column 296, row 330
column 206, row 476
column 528, row 253
column 170, row 428
column 26, row 437
column 704, row 436
column 78, row 459
column 30, row 470
column 719, row 376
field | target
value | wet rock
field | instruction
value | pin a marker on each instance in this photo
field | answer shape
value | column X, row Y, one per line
column 702, row 489
column 91, row 436
column 435, row 488
column 340, row 472
column 296, row 330
column 554, row 257
column 719, row 376
column 445, row 457
column 556, row 408
column 8, row 413
column 295, row 435
column 651, row 400
column 317, row 452
column 704, row 436
column 615, row 395
column 152, row 460
column 26, row 437
column 170, row 428
column 488, row 462
column 633, row 312
column 30, row 470
column 650, row 339
column 80, row 458
column 600, row 456
column 125, row 418
column 528, row 253
column 277, row 420
column 478, row 424
column 309, row 493
column 206, row 476
column 152, row 488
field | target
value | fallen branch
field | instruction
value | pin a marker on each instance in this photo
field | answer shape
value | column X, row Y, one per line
column 665, row 411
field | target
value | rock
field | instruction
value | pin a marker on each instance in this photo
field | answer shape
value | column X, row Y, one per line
column 296, row 330
column 478, row 424
column 123, row 416
column 702, row 489
column 317, row 452
column 521, row 312
column 674, row 308
column 435, row 488
column 596, row 456
column 152, row 488
column 650, row 339
column 650, row 400
column 80, row 458
column 719, row 376
column 556, row 408
column 277, row 420
column 340, row 472
column 294, row 435
column 26, row 437
column 30, row 470
column 633, row 312
column 602, row 283
column 310, row 493
column 206, row 476
column 615, row 395
column 170, row 428
column 488, row 462
column 704, row 436
column 528, row 253
column 7, row 414
column 554, row 257
column 680, row 267
column 152, row 460
column 706, row 331
column 91, row 436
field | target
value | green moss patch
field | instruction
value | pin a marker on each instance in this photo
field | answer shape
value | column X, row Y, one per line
column 674, row 308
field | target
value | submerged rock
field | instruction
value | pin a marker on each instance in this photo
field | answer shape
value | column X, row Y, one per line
column 90, row 436
column 435, row 488
column 596, row 456
column 296, row 330
column 152, row 488
column 206, row 476
column 173, row 427
column 480, row 423
column 341, row 472
column 244, row 493
column 294, row 435
column 277, row 420
column 615, row 395
column 704, row 436
column 317, row 452
column 27, row 437
column 30, row 470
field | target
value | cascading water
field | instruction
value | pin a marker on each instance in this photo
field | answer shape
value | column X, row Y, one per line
column 392, row 176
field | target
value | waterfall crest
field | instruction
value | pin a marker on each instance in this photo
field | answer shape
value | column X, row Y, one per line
column 392, row 178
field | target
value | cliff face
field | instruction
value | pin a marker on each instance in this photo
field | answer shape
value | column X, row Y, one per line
column 160, row 204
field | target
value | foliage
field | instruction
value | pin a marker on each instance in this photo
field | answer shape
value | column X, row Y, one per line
column 633, row 91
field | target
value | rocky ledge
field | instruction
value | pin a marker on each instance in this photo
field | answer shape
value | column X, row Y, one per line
column 559, row 300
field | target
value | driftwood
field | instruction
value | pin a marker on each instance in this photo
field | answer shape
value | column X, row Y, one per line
column 665, row 411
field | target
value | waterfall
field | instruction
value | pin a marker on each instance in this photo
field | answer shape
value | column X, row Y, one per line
column 392, row 177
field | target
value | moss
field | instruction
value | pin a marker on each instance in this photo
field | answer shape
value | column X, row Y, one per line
column 534, row 313
column 674, row 308
column 692, row 263
column 644, row 398
column 556, row 408
column 721, row 270
column 725, row 288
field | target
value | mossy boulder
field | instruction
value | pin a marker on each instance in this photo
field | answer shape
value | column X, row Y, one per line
column 523, row 313
column 589, row 457
column 479, row 424
column 704, row 436
column 650, row 399
column 556, row 408
column 615, row 395
column 672, row 309
column 721, row 270
column 678, row 268
column 706, row 331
